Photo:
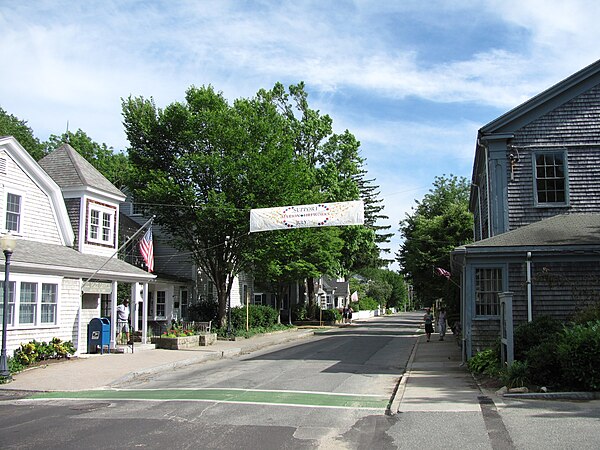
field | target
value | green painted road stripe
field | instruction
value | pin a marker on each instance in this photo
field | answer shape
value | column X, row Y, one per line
column 226, row 395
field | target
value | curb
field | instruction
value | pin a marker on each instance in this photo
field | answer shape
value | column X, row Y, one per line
column 573, row 396
column 398, row 393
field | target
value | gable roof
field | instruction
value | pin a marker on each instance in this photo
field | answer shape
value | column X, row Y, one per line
column 562, row 230
column 545, row 102
column 47, row 185
column 72, row 172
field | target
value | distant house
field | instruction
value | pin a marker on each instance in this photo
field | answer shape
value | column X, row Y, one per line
column 535, row 197
column 65, row 216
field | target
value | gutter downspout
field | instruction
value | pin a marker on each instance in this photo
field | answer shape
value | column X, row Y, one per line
column 487, row 186
column 479, row 210
column 529, row 294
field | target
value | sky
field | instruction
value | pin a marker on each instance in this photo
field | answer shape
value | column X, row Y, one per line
column 412, row 80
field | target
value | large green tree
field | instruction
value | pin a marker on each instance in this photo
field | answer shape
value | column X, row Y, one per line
column 201, row 164
column 13, row 126
column 332, row 162
column 439, row 223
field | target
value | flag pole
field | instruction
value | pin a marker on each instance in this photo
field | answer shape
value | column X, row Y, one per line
column 119, row 249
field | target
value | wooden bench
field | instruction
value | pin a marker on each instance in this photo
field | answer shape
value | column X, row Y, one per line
column 200, row 327
column 204, row 327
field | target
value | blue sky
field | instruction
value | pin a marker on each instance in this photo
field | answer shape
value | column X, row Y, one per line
column 412, row 80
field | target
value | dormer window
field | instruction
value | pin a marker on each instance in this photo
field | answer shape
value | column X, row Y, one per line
column 101, row 223
column 551, row 183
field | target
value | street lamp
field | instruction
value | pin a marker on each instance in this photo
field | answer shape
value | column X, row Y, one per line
column 8, row 243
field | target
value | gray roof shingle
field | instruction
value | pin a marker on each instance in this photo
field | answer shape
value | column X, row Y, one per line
column 69, row 169
column 58, row 259
column 566, row 229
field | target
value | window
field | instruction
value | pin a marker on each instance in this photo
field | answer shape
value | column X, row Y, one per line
column 101, row 224
column 160, row 303
column 11, row 301
column 13, row 212
column 488, row 284
column 105, row 302
column 28, row 303
column 550, row 178
column 31, row 302
column 184, row 303
column 258, row 299
column 49, row 301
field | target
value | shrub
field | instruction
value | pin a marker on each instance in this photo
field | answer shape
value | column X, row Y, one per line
column 590, row 313
column 544, row 364
column 368, row 304
column 331, row 315
column 355, row 306
column 533, row 333
column 35, row 351
column 517, row 375
column 258, row 316
column 204, row 311
column 579, row 355
column 299, row 312
column 486, row 362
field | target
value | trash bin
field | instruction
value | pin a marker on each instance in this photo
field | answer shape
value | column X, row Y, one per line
column 98, row 335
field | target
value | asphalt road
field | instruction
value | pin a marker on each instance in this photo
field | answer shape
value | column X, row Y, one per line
column 329, row 392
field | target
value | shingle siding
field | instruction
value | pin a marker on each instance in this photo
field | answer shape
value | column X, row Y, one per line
column 574, row 127
column 37, row 217
column 73, row 209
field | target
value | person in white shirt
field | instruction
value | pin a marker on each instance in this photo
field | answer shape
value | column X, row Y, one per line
column 123, row 318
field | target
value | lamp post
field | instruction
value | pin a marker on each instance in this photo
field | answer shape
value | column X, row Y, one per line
column 8, row 243
column 229, row 330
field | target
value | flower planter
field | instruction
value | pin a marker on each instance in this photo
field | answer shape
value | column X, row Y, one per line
column 207, row 338
column 176, row 343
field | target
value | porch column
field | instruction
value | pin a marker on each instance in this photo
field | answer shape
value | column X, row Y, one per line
column 136, row 299
column 113, row 316
column 145, row 314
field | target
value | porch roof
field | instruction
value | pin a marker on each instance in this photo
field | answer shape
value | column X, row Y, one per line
column 49, row 259
column 562, row 230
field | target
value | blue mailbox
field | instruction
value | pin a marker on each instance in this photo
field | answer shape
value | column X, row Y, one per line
column 98, row 335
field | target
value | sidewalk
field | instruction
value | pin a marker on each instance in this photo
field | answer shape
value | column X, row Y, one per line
column 110, row 369
column 435, row 380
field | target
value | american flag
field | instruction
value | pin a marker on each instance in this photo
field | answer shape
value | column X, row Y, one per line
column 147, row 249
column 443, row 272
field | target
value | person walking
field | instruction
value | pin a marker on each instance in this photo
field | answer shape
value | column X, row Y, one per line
column 442, row 323
column 428, row 318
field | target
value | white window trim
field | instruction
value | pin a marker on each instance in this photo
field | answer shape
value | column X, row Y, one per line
column 563, row 153
column 164, row 303
column 504, row 273
column 18, row 279
column 22, row 194
column 102, row 209
column 261, row 297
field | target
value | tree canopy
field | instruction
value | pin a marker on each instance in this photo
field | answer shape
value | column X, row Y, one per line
column 202, row 164
column 438, row 224
column 13, row 126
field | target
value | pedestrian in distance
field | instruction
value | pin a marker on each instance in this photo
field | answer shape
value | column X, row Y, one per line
column 345, row 315
column 350, row 311
column 123, row 319
column 442, row 323
column 428, row 318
